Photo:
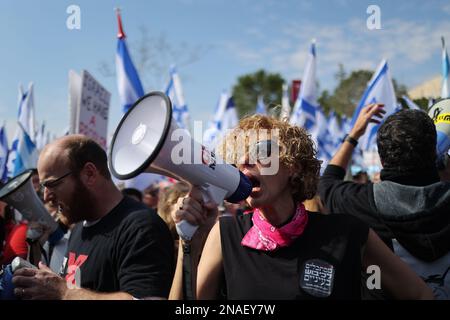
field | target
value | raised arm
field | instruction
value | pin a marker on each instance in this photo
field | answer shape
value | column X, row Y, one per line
column 367, row 114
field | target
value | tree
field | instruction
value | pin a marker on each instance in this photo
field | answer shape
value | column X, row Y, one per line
column 250, row 86
column 349, row 91
column 422, row 103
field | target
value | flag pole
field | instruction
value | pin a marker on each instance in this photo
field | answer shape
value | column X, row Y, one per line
column 120, row 34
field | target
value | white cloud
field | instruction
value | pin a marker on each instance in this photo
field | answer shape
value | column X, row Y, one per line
column 406, row 45
column 242, row 52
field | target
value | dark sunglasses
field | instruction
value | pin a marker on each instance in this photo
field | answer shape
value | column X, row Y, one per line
column 262, row 149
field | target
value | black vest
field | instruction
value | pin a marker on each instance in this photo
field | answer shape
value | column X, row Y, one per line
column 323, row 263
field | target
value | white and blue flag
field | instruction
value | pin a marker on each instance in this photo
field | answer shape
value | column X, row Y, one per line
column 230, row 117
column 260, row 106
column 41, row 137
column 410, row 103
column 322, row 137
column 175, row 92
column 26, row 114
column 26, row 154
column 26, row 119
column 445, row 71
column 213, row 133
column 379, row 90
column 4, row 151
column 335, row 130
column 225, row 118
column 128, row 82
column 304, row 113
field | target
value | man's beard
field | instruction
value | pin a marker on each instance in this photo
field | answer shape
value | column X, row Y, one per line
column 81, row 205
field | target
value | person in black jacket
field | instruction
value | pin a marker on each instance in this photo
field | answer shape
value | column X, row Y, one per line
column 280, row 250
column 410, row 208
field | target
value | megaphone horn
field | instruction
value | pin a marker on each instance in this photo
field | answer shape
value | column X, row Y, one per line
column 440, row 113
column 20, row 194
column 144, row 142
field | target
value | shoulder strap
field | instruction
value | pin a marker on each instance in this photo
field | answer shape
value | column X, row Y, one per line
column 187, row 272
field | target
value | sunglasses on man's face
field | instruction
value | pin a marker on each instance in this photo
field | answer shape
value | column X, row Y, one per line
column 262, row 150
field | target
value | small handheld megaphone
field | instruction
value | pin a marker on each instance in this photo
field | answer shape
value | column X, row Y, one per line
column 148, row 139
column 440, row 113
column 20, row 194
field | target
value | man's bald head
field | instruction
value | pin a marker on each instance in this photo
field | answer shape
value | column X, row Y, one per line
column 77, row 150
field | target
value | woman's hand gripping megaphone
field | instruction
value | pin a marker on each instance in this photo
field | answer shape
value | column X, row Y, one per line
column 195, row 211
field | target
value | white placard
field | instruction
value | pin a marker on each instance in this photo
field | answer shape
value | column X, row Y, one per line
column 92, row 109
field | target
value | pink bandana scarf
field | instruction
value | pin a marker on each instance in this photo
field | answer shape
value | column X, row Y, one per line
column 265, row 237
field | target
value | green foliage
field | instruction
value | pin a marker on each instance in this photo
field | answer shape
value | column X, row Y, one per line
column 250, row 86
column 422, row 103
column 349, row 91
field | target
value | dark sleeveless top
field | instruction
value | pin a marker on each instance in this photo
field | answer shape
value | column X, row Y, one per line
column 323, row 263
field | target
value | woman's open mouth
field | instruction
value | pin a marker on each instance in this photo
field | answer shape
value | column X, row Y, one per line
column 256, row 185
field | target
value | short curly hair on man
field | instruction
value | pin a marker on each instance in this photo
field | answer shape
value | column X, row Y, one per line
column 296, row 151
column 407, row 141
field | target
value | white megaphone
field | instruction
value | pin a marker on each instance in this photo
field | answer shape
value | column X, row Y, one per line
column 440, row 113
column 148, row 139
column 20, row 194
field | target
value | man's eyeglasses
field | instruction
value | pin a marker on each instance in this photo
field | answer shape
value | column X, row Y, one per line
column 53, row 183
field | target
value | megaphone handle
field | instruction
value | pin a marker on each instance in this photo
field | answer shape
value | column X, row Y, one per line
column 210, row 193
column 185, row 230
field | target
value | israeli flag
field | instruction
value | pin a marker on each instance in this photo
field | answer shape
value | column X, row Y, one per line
column 410, row 103
column 40, row 137
column 260, row 106
column 285, row 107
column 445, row 70
column 230, row 117
column 379, row 90
column 26, row 157
column 346, row 125
column 26, row 120
column 225, row 118
column 4, row 151
column 175, row 92
column 128, row 82
column 323, row 138
column 335, row 130
column 213, row 133
column 304, row 113
column 26, row 114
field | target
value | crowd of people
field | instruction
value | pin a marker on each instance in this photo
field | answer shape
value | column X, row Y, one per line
column 298, row 235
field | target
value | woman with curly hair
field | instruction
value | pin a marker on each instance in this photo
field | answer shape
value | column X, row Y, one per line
column 280, row 250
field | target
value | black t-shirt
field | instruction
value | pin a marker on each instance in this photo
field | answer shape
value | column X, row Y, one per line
column 128, row 250
column 323, row 263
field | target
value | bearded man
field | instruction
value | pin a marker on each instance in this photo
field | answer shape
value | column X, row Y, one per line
column 117, row 250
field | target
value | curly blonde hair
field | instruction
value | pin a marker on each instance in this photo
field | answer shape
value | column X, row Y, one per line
column 297, row 151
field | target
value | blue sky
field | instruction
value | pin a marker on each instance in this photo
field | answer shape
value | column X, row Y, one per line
column 242, row 36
